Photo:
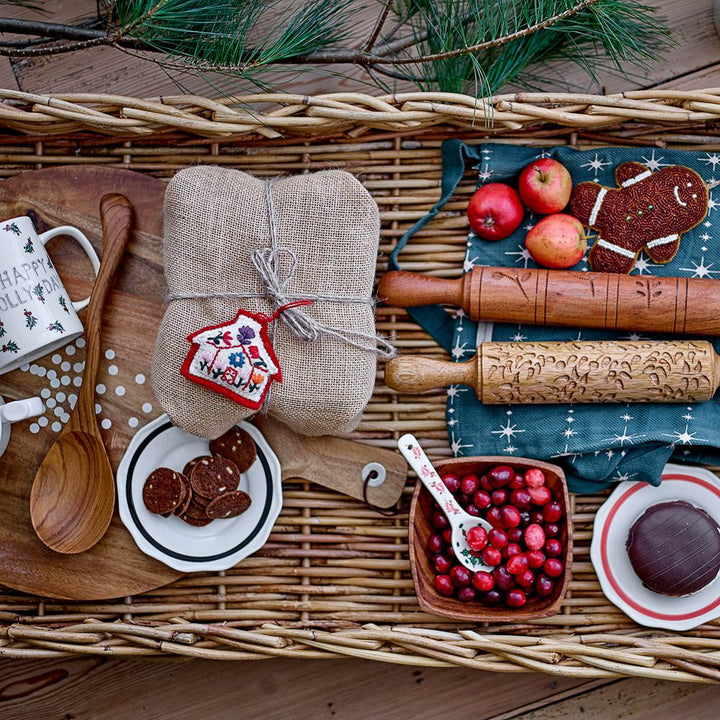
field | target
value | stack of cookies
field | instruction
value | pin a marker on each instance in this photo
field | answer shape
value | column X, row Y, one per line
column 207, row 488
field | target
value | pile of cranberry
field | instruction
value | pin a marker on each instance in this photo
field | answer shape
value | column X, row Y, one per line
column 523, row 549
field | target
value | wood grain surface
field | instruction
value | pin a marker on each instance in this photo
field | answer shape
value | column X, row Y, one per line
column 71, row 196
column 683, row 371
column 566, row 298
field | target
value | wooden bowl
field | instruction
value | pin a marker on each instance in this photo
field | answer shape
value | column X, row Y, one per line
column 421, row 528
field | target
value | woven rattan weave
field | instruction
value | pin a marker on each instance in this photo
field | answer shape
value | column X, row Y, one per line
column 334, row 578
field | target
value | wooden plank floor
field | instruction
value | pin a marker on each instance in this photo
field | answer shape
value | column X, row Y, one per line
column 92, row 688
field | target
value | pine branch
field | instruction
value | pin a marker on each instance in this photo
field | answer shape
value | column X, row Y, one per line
column 451, row 43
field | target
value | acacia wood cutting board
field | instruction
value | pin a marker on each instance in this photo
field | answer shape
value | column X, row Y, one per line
column 70, row 196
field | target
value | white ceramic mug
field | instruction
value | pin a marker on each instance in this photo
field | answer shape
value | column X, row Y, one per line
column 36, row 314
column 14, row 412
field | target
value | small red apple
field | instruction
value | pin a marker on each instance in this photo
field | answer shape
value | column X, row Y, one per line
column 557, row 241
column 495, row 211
column 545, row 186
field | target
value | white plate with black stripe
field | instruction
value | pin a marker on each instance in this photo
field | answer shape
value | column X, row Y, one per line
column 217, row 546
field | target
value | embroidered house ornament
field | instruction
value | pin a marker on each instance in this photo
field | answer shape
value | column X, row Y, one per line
column 235, row 359
column 648, row 210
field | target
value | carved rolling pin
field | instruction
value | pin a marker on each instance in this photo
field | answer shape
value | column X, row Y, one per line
column 570, row 372
column 566, row 298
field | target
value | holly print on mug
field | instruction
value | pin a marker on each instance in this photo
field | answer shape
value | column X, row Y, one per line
column 36, row 314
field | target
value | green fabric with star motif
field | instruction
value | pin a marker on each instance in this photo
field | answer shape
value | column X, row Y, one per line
column 596, row 444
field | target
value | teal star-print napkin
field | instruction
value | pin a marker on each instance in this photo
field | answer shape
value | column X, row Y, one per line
column 596, row 445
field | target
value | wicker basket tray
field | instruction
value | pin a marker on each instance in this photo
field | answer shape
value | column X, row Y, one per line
column 334, row 578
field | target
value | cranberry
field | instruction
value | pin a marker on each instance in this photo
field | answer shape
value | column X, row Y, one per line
column 536, row 559
column 513, row 549
column 509, row 516
column 435, row 544
column 492, row 597
column 498, row 538
column 439, row 520
column 491, row 556
column 442, row 564
column 536, row 517
column 540, row 495
column 524, row 518
column 447, row 535
column 525, row 579
column 534, row 537
column 470, row 484
column 472, row 510
column 552, row 530
column 517, row 564
column 517, row 482
column 503, row 579
column 553, row 567
column 493, row 516
column 500, row 475
column 485, row 484
column 553, row 547
column 483, row 581
column 544, row 586
column 515, row 534
column 534, row 478
column 465, row 499
column 482, row 499
column 452, row 482
column 520, row 499
column 477, row 538
column 467, row 594
column 516, row 598
column 460, row 576
column 444, row 585
column 552, row 512
column 499, row 497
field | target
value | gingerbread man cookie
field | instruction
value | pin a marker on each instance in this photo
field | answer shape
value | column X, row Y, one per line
column 648, row 210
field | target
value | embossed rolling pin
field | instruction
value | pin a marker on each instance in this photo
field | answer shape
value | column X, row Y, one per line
column 689, row 306
column 684, row 371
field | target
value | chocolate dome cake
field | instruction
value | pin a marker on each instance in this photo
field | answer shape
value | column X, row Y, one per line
column 674, row 547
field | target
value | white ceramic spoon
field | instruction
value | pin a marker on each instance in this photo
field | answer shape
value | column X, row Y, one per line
column 460, row 521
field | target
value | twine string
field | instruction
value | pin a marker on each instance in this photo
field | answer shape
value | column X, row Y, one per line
column 276, row 267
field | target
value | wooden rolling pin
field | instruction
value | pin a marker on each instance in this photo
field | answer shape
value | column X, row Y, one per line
column 566, row 298
column 684, row 371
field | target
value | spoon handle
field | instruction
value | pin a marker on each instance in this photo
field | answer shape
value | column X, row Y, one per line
column 420, row 463
column 116, row 215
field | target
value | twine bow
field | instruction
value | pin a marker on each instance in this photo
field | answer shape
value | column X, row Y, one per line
column 276, row 266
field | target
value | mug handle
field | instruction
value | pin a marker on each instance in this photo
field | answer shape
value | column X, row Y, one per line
column 78, row 235
column 21, row 410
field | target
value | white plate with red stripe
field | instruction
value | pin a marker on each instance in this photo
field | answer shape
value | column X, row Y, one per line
column 618, row 580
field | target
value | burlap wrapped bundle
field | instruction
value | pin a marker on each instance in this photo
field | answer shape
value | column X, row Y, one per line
column 327, row 226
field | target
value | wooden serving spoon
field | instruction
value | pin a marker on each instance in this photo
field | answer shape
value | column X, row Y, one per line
column 73, row 494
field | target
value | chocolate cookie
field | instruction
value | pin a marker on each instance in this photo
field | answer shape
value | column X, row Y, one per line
column 196, row 522
column 213, row 476
column 235, row 445
column 229, row 505
column 187, row 495
column 163, row 491
column 190, row 464
column 674, row 548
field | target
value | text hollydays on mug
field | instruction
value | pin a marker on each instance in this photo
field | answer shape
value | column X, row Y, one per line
column 24, row 295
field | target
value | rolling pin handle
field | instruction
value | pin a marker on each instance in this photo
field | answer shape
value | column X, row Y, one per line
column 415, row 374
column 398, row 288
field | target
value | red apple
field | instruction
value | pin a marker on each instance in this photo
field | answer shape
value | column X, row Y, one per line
column 557, row 241
column 495, row 211
column 545, row 186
